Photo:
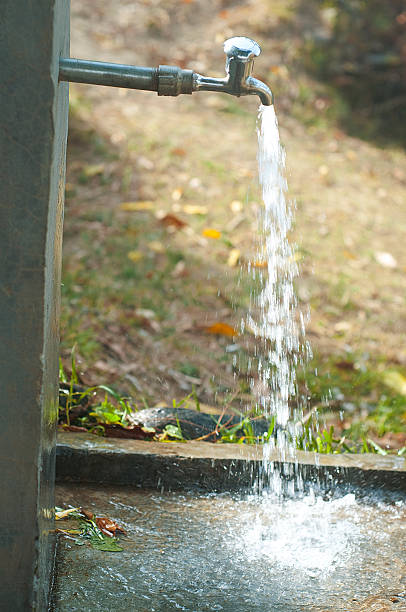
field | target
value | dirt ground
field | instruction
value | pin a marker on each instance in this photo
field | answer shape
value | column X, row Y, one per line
column 143, row 286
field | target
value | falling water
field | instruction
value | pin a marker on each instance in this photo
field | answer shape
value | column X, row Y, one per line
column 275, row 318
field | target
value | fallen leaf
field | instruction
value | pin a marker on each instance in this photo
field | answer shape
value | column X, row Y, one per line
column 345, row 365
column 323, row 170
column 396, row 381
column 259, row 264
column 233, row 258
column 105, row 544
column 146, row 313
column 156, row 246
column 172, row 221
column 211, row 233
column 236, row 206
column 386, row 259
column 179, row 270
column 93, row 170
column 178, row 150
column 191, row 209
column 60, row 514
column 135, row 432
column 74, row 428
column 222, row 329
column 134, row 206
column 135, row 255
column 342, row 326
column 87, row 514
column 177, row 194
column 107, row 526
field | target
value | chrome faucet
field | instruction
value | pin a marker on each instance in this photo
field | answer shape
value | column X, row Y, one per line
column 172, row 80
column 240, row 52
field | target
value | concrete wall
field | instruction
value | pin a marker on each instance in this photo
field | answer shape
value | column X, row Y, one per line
column 33, row 128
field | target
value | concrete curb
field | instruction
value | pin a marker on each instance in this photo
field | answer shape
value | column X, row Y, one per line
column 214, row 467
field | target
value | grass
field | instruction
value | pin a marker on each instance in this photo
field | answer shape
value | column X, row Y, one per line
column 201, row 151
column 114, row 409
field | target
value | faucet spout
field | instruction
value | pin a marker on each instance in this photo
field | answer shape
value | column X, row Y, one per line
column 257, row 87
column 241, row 52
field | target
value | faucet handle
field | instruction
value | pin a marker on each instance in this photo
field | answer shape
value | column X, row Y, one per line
column 241, row 48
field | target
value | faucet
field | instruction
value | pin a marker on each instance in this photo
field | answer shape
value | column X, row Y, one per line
column 172, row 80
column 240, row 52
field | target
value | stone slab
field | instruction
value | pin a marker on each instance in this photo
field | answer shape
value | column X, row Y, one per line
column 213, row 467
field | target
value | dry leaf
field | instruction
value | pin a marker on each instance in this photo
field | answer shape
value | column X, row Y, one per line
column 135, row 255
column 395, row 381
column 172, row 221
column 233, row 258
column 222, row 329
column 64, row 513
column 386, row 260
column 178, row 151
column 323, row 170
column 259, row 264
column 179, row 270
column 93, row 170
column 107, row 526
column 87, row 514
column 134, row 206
column 236, row 206
column 135, row 432
column 191, row 209
column 146, row 313
column 211, row 233
column 74, row 428
column 156, row 246
column 342, row 326
column 177, row 194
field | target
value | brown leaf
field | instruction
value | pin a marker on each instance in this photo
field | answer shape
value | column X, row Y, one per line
column 137, row 206
column 178, row 150
column 173, row 220
column 87, row 514
column 345, row 365
column 107, row 526
column 74, row 428
column 222, row 329
column 135, row 432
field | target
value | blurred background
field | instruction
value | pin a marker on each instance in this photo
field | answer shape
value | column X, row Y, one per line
column 162, row 205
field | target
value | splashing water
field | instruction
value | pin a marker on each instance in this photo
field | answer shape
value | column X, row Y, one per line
column 274, row 317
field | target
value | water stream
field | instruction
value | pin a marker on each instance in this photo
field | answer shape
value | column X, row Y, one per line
column 274, row 317
column 275, row 549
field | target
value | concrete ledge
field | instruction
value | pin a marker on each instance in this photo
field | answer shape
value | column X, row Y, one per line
column 213, row 467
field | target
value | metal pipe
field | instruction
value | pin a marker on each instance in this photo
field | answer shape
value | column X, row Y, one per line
column 172, row 80
column 113, row 75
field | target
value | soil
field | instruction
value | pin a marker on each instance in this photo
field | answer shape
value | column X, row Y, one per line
column 144, row 287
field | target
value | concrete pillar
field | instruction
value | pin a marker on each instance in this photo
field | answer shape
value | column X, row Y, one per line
column 33, row 129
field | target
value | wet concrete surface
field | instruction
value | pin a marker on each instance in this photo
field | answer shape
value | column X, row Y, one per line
column 236, row 553
column 214, row 467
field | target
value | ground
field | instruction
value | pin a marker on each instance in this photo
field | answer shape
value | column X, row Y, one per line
column 142, row 284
